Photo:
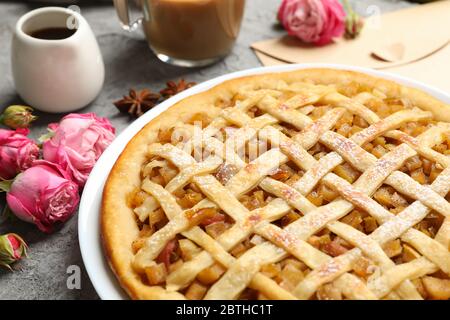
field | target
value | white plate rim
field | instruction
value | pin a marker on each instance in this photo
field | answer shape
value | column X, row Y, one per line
column 101, row 276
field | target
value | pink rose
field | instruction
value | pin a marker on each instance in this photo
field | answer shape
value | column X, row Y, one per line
column 44, row 195
column 78, row 142
column 17, row 152
column 313, row 21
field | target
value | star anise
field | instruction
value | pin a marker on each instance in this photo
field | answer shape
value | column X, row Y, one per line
column 137, row 102
column 174, row 88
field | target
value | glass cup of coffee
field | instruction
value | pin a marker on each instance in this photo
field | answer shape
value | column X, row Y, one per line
column 188, row 33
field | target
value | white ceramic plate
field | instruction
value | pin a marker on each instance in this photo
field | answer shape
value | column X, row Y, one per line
column 98, row 269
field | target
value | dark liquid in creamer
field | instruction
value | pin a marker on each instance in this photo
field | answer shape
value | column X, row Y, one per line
column 53, row 33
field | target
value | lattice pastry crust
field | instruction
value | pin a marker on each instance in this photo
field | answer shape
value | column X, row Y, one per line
column 314, row 184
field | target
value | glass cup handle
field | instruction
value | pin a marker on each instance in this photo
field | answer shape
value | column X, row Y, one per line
column 124, row 16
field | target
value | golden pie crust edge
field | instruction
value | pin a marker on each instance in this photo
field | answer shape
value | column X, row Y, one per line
column 118, row 223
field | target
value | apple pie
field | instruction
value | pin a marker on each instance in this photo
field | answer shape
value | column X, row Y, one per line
column 313, row 184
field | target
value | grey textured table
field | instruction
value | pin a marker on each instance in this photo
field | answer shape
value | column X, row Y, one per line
column 129, row 63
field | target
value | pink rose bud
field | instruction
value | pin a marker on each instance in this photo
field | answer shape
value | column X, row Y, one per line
column 78, row 142
column 17, row 152
column 353, row 25
column 17, row 117
column 313, row 21
column 12, row 249
column 353, row 22
column 44, row 195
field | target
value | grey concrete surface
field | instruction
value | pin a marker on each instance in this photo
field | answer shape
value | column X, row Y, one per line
column 129, row 63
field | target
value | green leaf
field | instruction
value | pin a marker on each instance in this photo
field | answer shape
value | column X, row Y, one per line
column 46, row 136
column 5, row 185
